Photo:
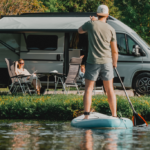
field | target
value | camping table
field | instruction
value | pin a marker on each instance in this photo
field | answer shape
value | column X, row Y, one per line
column 60, row 77
column 55, row 74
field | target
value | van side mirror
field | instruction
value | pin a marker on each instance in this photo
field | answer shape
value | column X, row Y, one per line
column 135, row 50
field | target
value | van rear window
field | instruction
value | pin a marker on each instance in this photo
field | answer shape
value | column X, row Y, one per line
column 42, row 42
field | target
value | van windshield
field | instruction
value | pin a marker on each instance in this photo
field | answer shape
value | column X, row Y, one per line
column 139, row 38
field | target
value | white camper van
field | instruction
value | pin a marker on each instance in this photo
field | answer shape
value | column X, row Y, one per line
column 47, row 41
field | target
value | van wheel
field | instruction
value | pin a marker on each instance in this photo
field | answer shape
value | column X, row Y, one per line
column 141, row 83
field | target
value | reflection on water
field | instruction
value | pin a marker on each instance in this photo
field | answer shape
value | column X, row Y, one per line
column 40, row 135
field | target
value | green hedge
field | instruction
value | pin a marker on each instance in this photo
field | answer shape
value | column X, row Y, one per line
column 65, row 107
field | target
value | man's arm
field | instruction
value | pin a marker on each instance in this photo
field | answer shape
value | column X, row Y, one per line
column 114, row 50
column 80, row 31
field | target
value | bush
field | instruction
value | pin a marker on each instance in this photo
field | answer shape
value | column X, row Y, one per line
column 135, row 13
column 17, row 7
column 65, row 107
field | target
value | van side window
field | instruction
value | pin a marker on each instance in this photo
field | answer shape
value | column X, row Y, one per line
column 121, row 44
column 42, row 42
column 131, row 42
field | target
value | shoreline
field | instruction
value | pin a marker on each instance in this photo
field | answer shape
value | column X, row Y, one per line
column 66, row 107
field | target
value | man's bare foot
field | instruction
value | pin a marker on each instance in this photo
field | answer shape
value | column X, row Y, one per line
column 86, row 116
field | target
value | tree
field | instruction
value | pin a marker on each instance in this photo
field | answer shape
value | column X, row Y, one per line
column 51, row 5
column 16, row 7
column 80, row 6
column 64, row 6
column 92, row 5
column 136, row 14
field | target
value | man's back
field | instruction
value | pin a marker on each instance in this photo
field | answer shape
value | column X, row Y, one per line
column 100, row 35
column 101, row 59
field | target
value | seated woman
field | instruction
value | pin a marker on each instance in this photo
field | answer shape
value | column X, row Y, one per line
column 19, row 69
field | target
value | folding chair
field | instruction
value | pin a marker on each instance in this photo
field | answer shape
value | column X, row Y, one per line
column 99, row 85
column 73, row 74
column 17, row 83
column 81, row 83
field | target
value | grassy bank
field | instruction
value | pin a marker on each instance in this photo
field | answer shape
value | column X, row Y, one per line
column 65, row 107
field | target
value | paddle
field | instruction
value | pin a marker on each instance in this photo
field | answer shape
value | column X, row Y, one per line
column 137, row 118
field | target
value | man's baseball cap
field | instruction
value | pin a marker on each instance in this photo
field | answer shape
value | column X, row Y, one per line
column 102, row 10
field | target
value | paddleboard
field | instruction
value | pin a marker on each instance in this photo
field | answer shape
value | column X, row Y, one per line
column 100, row 121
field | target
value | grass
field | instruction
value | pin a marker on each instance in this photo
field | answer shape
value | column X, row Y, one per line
column 66, row 107
column 50, row 89
column 4, row 89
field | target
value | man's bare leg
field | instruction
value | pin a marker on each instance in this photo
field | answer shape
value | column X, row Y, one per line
column 108, row 85
column 89, row 84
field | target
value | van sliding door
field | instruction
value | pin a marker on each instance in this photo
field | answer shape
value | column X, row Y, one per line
column 128, row 64
column 43, row 51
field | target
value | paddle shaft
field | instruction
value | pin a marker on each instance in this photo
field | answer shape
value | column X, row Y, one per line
column 125, row 90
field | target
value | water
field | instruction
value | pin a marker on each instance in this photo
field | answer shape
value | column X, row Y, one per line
column 46, row 135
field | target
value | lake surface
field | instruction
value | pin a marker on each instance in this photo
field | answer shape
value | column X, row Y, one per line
column 41, row 135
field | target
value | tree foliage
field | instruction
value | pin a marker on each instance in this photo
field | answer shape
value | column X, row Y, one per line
column 16, row 7
column 136, row 15
column 91, row 6
column 51, row 5
column 80, row 6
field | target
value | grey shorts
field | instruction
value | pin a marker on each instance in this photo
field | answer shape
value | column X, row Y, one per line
column 105, row 71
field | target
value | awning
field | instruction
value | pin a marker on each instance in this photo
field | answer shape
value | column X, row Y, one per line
column 41, row 23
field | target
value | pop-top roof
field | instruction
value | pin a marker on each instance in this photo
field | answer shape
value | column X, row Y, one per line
column 44, row 22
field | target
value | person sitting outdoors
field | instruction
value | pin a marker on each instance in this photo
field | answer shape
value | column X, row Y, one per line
column 19, row 69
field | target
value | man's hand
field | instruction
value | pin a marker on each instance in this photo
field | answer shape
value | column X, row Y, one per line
column 82, row 56
column 93, row 18
column 17, row 63
column 114, row 64
column 80, row 31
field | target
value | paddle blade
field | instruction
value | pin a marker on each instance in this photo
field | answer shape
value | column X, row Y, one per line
column 138, row 120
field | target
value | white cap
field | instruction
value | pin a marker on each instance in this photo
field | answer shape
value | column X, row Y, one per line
column 102, row 10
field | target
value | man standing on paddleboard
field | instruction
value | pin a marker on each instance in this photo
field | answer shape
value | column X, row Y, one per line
column 101, row 58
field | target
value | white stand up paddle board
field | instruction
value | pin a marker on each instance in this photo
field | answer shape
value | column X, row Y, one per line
column 99, row 121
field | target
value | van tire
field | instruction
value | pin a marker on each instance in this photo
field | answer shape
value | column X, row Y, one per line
column 141, row 83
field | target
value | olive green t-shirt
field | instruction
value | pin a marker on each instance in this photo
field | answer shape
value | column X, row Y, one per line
column 100, row 35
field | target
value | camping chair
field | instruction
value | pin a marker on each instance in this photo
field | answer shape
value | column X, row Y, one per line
column 99, row 84
column 81, row 84
column 73, row 74
column 17, row 83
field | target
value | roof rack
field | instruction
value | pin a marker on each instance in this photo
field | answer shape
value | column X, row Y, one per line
column 57, row 14
column 61, row 14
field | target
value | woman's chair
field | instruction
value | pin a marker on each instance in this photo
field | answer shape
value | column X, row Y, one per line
column 17, row 84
